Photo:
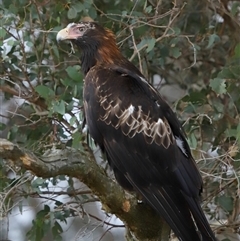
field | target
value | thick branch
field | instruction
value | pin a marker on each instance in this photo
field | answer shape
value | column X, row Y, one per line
column 139, row 218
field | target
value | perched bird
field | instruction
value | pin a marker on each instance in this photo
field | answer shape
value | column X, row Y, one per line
column 140, row 134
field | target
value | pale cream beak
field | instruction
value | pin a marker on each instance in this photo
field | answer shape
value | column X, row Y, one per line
column 67, row 33
column 63, row 34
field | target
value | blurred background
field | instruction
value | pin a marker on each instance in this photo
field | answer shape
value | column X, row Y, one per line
column 189, row 50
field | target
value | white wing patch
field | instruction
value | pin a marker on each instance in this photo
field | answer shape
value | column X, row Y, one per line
column 157, row 104
column 180, row 145
column 159, row 121
column 131, row 109
column 125, row 114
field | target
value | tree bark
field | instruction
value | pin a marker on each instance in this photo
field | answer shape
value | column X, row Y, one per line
column 141, row 221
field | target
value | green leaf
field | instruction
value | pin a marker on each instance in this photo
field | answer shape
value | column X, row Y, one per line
column 90, row 2
column 20, row 207
column 212, row 39
column 42, row 213
column 218, row 85
column 219, row 107
column 236, row 71
column 141, row 44
column 72, row 121
column 226, row 73
column 59, row 107
column 59, row 215
column 192, row 141
column 174, row 30
column 29, row 44
column 72, row 13
column 237, row 51
column 87, row 7
column 37, row 182
column 44, row 91
column 56, row 231
column 74, row 73
column 148, row 9
column 174, row 41
column 164, row 51
column 124, row 13
column 13, row 9
column 238, row 133
column 92, row 13
column 234, row 8
column 231, row 132
column 2, row 126
column 67, row 82
column 226, row 203
column 62, row 177
column 11, row 42
column 58, row 203
column 55, row 51
column 2, row 33
column 77, row 137
column 176, row 53
column 151, row 43
column 195, row 97
column 78, row 7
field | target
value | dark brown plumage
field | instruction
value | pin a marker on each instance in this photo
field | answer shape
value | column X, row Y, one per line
column 143, row 140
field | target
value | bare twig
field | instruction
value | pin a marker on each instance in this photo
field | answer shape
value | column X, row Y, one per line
column 136, row 49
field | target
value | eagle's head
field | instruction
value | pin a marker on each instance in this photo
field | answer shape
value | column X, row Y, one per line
column 96, row 43
column 83, row 33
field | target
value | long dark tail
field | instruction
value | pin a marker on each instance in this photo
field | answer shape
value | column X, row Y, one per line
column 200, row 219
column 174, row 210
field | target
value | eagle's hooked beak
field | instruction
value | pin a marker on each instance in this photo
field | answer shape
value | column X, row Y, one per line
column 67, row 33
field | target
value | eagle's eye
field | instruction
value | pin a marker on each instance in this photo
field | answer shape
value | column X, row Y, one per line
column 81, row 29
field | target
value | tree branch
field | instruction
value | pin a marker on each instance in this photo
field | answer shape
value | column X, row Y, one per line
column 140, row 219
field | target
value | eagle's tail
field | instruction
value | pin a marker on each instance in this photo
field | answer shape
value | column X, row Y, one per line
column 173, row 209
